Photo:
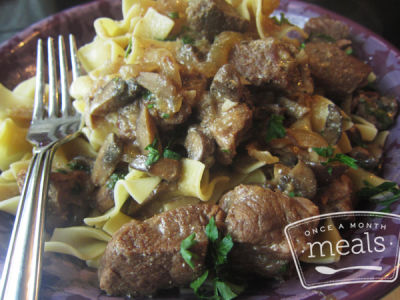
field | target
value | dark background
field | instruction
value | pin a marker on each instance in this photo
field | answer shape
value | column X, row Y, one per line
column 381, row 16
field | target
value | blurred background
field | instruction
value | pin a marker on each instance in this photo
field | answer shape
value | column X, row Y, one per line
column 381, row 16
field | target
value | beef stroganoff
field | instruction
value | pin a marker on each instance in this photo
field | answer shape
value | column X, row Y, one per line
column 209, row 126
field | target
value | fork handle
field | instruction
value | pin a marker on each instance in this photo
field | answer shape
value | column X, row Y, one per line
column 22, row 268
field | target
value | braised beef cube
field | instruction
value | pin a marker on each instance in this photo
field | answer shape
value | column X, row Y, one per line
column 338, row 196
column 143, row 257
column 104, row 199
column 226, row 84
column 211, row 17
column 69, row 198
column 334, row 70
column 256, row 218
column 379, row 110
column 325, row 29
column 229, row 128
column 166, row 168
column 274, row 63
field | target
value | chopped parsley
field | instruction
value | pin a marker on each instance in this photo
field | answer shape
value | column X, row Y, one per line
column 302, row 45
column 147, row 95
column 173, row 15
column 129, row 48
column 349, row 51
column 227, row 151
column 150, row 106
column 112, row 180
column 154, row 154
column 168, row 153
column 339, row 157
column 275, row 128
column 187, row 40
column 282, row 20
column 384, row 194
column 165, row 116
column 213, row 283
column 76, row 165
column 186, row 244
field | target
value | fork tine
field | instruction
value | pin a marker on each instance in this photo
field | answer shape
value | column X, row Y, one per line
column 39, row 89
column 76, row 67
column 65, row 98
column 53, row 105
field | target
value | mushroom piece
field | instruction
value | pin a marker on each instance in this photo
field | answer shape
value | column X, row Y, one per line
column 104, row 199
column 199, row 146
column 166, row 168
column 333, row 125
column 146, row 130
column 326, row 174
column 107, row 159
column 114, row 95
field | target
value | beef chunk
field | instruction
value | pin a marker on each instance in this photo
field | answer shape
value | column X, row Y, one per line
column 338, row 196
column 323, row 28
column 229, row 128
column 334, row 70
column 226, row 84
column 379, row 110
column 143, row 257
column 211, row 17
column 256, row 218
column 272, row 62
column 104, row 199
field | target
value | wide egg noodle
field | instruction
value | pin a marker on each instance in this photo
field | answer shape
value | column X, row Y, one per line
column 83, row 242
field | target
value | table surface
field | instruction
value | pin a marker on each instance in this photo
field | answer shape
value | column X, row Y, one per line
column 379, row 16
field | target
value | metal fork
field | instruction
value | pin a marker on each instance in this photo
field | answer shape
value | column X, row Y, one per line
column 22, row 269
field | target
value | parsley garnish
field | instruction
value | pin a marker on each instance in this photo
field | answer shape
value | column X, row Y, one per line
column 173, row 15
column 339, row 157
column 282, row 20
column 76, row 165
column 168, row 153
column 217, row 255
column 385, row 194
column 150, row 106
column 129, row 48
column 302, row 45
column 324, row 151
column 112, row 180
column 186, row 244
column 147, row 95
column 154, row 154
column 165, row 116
column 187, row 40
column 349, row 51
column 275, row 128
column 227, row 151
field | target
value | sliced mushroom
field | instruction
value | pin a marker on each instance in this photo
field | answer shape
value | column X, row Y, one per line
column 146, row 130
column 326, row 174
column 333, row 125
column 166, row 168
column 114, row 95
column 226, row 84
column 107, row 160
column 104, row 199
column 199, row 146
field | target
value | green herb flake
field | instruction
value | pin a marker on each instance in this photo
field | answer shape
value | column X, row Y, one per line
column 222, row 248
column 302, row 45
column 344, row 159
column 165, row 116
column 186, row 244
column 212, row 230
column 225, row 290
column 147, row 95
column 76, row 165
column 168, row 153
column 129, row 48
column 275, row 128
column 150, row 106
column 349, row 51
column 197, row 283
column 292, row 194
column 187, row 40
column 62, row 171
column 154, row 154
column 227, row 151
column 384, row 194
column 173, row 15
column 112, row 180
column 324, row 151
column 282, row 20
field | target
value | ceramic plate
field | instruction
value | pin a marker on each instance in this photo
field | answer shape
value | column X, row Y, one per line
column 66, row 278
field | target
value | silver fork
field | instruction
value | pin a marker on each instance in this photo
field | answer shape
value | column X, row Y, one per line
column 22, row 268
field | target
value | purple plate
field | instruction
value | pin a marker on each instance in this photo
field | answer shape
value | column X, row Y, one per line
column 65, row 277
